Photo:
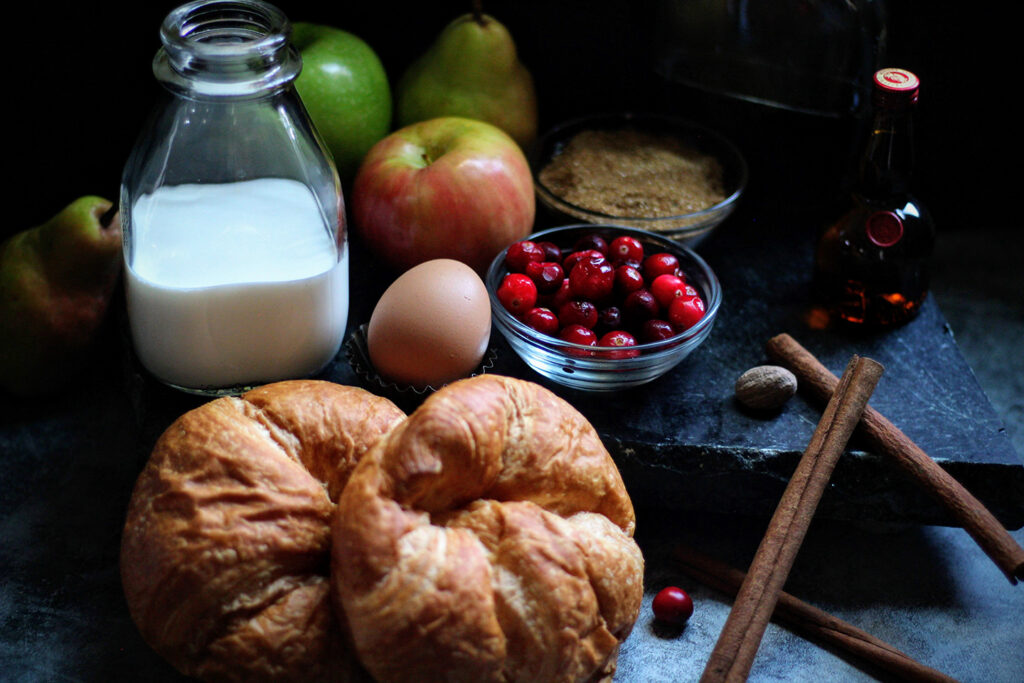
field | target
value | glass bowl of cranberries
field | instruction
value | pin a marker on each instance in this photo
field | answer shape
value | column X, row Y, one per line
column 602, row 307
column 650, row 171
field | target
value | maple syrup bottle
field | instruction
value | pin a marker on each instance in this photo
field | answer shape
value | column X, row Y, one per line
column 871, row 265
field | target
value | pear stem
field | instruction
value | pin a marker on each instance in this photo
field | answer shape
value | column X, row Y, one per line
column 478, row 13
column 108, row 216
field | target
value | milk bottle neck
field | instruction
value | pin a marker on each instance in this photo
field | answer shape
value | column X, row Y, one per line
column 226, row 49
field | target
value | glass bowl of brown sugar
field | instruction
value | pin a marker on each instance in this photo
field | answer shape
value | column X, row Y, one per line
column 647, row 171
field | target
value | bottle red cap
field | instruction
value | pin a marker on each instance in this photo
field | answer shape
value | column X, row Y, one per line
column 896, row 87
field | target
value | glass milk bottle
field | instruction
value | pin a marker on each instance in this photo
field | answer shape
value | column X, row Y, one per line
column 236, row 260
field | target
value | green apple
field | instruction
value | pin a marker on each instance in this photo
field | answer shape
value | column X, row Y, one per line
column 56, row 283
column 345, row 90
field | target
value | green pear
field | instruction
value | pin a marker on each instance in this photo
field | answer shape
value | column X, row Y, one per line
column 472, row 70
column 56, row 282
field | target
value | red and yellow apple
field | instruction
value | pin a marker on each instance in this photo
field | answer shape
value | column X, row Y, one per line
column 447, row 187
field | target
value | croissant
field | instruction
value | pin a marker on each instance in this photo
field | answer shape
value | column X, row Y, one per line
column 488, row 537
column 225, row 550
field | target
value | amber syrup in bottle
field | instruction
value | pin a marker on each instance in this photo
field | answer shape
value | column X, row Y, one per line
column 871, row 265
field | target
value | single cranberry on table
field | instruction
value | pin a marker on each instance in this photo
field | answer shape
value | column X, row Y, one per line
column 519, row 254
column 547, row 275
column 517, row 294
column 672, row 606
column 660, row 264
column 578, row 312
column 685, row 312
column 543, row 320
column 592, row 279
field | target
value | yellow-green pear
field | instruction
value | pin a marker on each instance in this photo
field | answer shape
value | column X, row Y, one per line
column 56, row 283
column 472, row 70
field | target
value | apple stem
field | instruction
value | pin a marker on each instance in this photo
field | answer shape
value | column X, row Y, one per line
column 478, row 12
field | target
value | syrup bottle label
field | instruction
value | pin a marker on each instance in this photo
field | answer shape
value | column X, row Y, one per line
column 884, row 228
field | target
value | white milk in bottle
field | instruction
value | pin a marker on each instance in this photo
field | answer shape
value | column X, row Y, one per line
column 235, row 284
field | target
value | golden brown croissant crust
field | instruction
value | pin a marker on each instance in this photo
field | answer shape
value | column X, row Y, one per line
column 488, row 537
column 225, row 552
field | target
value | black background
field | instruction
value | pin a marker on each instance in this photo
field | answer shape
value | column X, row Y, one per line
column 80, row 87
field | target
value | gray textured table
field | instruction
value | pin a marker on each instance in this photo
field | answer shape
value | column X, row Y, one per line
column 699, row 469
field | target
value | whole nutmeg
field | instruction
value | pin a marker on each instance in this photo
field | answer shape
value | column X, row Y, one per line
column 765, row 387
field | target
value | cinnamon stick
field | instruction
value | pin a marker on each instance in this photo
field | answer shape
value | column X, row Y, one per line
column 881, row 435
column 811, row 622
column 737, row 644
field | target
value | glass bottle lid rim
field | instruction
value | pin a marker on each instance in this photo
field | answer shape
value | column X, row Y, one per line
column 896, row 87
column 225, row 28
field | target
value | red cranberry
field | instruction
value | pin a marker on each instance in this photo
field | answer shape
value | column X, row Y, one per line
column 591, row 241
column 551, row 251
column 555, row 300
column 547, row 275
column 655, row 330
column 628, row 279
column 618, row 339
column 659, row 264
column 578, row 312
column 576, row 256
column 577, row 334
column 592, row 280
column 517, row 294
column 672, row 605
column 640, row 305
column 667, row 288
column 626, row 248
column 543, row 320
column 609, row 318
column 521, row 253
column 686, row 312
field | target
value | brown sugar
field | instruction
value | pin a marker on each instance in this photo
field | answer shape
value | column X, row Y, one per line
column 634, row 174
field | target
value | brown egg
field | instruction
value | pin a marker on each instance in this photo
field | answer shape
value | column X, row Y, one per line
column 431, row 326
